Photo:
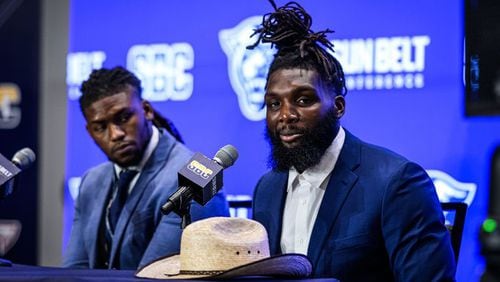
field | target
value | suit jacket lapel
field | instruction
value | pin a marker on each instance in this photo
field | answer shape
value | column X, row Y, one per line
column 341, row 182
column 275, row 208
column 153, row 165
column 96, row 215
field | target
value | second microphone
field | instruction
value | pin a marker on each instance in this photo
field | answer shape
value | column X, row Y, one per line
column 200, row 179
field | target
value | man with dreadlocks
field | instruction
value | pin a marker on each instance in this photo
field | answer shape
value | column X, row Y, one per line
column 117, row 221
column 358, row 211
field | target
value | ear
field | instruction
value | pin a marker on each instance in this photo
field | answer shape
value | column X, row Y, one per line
column 339, row 106
column 148, row 110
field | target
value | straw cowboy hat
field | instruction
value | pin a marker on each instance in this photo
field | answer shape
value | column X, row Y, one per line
column 225, row 247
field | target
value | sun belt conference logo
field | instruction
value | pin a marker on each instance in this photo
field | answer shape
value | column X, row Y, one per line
column 10, row 113
column 247, row 69
column 381, row 63
column 164, row 70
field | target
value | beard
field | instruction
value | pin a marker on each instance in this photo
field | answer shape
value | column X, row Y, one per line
column 311, row 147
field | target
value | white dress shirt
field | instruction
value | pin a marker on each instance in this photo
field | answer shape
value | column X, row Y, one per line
column 153, row 142
column 304, row 195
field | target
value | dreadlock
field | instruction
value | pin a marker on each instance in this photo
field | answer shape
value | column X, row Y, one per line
column 107, row 82
column 288, row 29
column 161, row 121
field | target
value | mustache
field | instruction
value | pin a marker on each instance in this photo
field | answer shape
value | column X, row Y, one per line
column 290, row 130
column 120, row 145
column 309, row 151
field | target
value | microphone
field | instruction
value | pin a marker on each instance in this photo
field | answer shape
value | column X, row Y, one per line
column 24, row 158
column 21, row 160
column 200, row 179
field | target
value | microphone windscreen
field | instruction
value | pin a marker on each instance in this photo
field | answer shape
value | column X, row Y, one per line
column 226, row 156
column 24, row 158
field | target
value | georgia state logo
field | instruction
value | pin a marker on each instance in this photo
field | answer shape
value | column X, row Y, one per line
column 449, row 189
column 247, row 69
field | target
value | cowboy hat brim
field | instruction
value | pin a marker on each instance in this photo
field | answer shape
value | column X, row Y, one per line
column 286, row 265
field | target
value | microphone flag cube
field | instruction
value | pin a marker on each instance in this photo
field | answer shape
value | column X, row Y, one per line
column 7, row 170
column 203, row 175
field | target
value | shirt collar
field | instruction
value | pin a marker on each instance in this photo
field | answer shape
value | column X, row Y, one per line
column 317, row 174
column 153, row 142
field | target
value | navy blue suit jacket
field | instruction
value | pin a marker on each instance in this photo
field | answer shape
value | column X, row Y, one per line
column 379, row 220
column 142, row 233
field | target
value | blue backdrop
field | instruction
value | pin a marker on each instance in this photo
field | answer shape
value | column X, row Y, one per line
column 403, row 62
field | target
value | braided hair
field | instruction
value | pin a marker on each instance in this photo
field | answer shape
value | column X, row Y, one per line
column 104, row 82
column 161, row 121
column 288, row 29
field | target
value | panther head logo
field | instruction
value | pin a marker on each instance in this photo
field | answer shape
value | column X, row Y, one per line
column 449, row 189
column 247, row 69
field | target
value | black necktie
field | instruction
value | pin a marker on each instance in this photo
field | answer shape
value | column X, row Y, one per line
column 120, row 190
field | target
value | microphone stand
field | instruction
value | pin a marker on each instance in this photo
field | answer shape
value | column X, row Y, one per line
column 180, row 203
column 184, row 211
column 6, row 190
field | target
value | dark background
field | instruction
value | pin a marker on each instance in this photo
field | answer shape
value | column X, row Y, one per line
column 482, row 41
column 19, row 64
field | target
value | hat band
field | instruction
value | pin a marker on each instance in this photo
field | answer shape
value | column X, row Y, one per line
column 200, row 272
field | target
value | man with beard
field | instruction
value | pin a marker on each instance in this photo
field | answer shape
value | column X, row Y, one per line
column 358, row 211
column 117, row 221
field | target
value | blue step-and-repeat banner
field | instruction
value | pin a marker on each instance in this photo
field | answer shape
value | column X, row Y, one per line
column 403, row 62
